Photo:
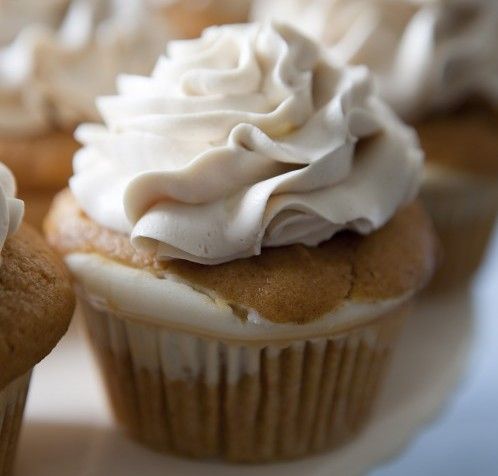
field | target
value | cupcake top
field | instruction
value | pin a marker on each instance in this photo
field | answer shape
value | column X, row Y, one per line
column 11, row 208
column 429, row 55
column 56, row 56
column 249, row 137
column 36, row 299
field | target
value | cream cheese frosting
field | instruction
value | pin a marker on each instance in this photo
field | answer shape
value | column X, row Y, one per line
column 250, row 136
column 56, row 56
column 428, row 55
column 11, row 208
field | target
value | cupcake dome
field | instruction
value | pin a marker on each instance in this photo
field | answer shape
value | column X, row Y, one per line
column 35, row 294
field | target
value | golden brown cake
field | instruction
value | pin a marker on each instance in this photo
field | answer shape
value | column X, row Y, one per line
column 279, row 281
column 36, row 305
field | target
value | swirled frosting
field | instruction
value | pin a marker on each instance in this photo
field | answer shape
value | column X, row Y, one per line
column 428, row 55
column 11, row 208
column 56, row 56
column 247, row 137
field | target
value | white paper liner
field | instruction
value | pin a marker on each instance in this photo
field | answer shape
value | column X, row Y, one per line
column 202, row 397
column 12, row 400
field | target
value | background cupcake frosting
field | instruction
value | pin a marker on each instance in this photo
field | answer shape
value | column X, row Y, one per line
column 57, row 55
column 428, row 54
column 247, row 137
column 11, row 208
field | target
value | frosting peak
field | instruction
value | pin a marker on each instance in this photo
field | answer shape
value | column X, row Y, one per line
column 428, row 55
column 250, row 136
column 11, row 209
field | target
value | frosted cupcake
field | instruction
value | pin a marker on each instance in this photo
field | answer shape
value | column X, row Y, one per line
column 36, row 304
column 187, row 18
column 56, row 56
column 245, row 273
column 437, row 64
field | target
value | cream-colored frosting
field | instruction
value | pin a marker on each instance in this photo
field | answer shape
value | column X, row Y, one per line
column 427, row 54
column 168, row 300
column 56, row 56
column 246, row 137
column 11, row 208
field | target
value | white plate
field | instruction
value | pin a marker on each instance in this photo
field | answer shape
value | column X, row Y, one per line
column 69, row 432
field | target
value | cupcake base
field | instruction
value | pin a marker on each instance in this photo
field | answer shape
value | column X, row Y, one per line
column 202, row 398
column 12, row 400
column 465, row 220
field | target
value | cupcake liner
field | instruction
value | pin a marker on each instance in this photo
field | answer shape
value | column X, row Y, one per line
column 12, row 400
column 203, row 397
column 464, row 220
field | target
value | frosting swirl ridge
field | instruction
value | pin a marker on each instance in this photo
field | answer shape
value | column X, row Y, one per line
column 11, row 208
column 250, row 136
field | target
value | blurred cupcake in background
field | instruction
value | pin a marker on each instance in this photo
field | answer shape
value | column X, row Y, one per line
column 56, row 56
column 36, row 305
column 436, row 63
column 187, row 18
column 245, row 273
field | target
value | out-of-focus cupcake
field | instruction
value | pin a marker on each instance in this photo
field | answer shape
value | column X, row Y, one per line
column 56, row 56
column 437, row 64
column 245, row 273
column 36, row 304
column 187, row 18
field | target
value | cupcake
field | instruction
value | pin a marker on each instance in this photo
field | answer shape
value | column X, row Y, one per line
column 245, row 273
column 187, row 18
column 437, row 65
column 36, row 304
column 55, row 57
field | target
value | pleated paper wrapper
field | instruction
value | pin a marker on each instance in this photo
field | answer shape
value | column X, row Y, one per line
column 203, row 397
column 12, row 400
